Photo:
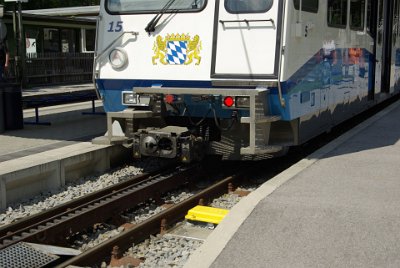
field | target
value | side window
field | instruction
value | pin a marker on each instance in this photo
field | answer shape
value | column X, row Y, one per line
column 357, row 13
column 248, row 6
column 68, row 41
column 369, row 18
column 88, row 39
column 395, row 22
column 380, row 23
column 90, row 36
column 337, row 13
column 51, row 41
column 307, row 5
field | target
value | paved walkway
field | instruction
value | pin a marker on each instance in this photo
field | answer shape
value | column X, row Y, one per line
column 57, row 89
column 35, row 139
column 340, row 207
column 68, row 125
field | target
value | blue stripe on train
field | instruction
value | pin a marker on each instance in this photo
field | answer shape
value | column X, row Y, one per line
column 110, row 89
column 315, row 75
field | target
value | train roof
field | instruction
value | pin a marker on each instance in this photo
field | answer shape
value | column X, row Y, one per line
column 84, row 11
column 86, row 15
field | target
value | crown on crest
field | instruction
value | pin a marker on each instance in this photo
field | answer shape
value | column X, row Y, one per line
column 177, row 37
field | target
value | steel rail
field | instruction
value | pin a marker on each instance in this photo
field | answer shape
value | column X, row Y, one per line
column 56, row 229
column 142, row 231
column 24, row 223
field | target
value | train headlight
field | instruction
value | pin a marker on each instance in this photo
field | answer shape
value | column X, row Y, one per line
column 118, row 58
column 242, row 101
column 132, row 99
column 129, row 98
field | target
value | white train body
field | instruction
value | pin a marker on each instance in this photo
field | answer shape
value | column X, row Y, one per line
column 241, row 79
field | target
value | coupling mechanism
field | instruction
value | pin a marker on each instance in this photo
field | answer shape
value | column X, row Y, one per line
column 168, row 142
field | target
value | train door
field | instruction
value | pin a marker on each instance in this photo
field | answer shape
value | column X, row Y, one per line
column 396, row 45
column 378, row 46
column 394, row 67
column 246, row 39
column 383, row 46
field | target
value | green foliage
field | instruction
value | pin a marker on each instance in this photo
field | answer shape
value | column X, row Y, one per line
column 42, row 4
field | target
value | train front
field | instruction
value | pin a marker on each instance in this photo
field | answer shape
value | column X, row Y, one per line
column 186, row 78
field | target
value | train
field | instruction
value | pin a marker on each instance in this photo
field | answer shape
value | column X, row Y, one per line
column 240, row 79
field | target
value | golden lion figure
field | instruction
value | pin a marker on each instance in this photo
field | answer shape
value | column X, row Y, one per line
column 160, row 49
column 193, row 50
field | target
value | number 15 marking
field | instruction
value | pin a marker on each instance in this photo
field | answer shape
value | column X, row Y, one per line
column 117, row 28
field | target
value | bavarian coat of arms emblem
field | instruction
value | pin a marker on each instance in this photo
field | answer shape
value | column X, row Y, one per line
column 177, row 49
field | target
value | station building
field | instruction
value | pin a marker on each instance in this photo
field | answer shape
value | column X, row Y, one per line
column 59, row 44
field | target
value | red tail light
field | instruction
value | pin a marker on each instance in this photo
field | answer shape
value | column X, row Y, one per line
column 169, row 98
column 229, row 101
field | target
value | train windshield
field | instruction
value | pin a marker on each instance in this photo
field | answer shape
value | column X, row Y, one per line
column 153, row 6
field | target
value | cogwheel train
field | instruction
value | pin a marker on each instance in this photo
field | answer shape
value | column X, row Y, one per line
column 242, row 79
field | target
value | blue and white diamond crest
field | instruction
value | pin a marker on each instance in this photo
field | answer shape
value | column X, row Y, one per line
column 177, row 49
column 176, row 52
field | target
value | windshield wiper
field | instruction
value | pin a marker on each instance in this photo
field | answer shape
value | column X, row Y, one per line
column 151, row 26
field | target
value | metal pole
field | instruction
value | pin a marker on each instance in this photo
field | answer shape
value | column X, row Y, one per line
column 16, row 57
column 21, row 45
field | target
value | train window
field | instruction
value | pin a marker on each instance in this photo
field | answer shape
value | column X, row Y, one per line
column 152, row 6
column 248, row 6
column 370, row 22
column 379, row 32
column 51, row 39
column 312, row 99
column 357, row 12
column 68, row 41
column 89, row 39
column 307, row 5
column 337, row 13
column 395, row 22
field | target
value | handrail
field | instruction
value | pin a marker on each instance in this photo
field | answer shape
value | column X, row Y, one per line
column 94, row 58
column 281, row 51
column 113, row 42
column 246, row 21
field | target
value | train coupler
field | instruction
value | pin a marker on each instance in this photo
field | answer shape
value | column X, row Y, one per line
column 168, row 142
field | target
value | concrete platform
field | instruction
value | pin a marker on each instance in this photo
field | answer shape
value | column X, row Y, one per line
column 64, row 113
column 56, row 89
column 40, row 158
column 337, row 208
column 68, row 126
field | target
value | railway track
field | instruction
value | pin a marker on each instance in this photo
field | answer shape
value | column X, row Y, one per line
column 31, row 220
column 56, row 225
column 156, row 224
